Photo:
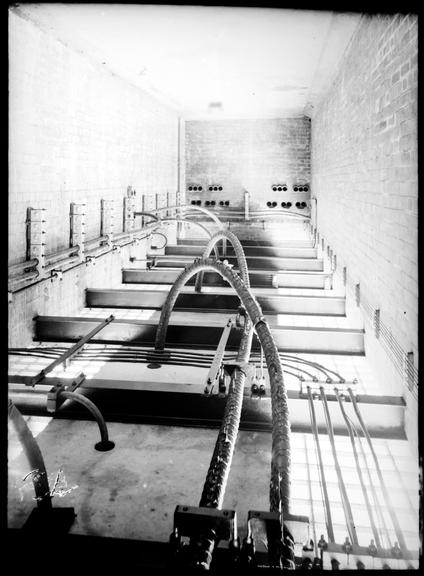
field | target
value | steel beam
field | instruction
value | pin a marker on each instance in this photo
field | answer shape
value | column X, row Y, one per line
column 250, row 251
column 259, row 263
column 258, row 279
column 178, row 403
column 143, row 332
column 154, row 299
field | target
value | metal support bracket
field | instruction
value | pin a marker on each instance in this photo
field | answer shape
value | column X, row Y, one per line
column 328, row 385
column 192, row 523
column 215, row 369
column 53, row 397
column 262, row 546
column 64, row 358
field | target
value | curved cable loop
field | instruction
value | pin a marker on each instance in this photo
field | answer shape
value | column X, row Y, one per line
column 33, row 454
column 280, row 459
column 198, row 208
column 105, row 444
column 238, row 249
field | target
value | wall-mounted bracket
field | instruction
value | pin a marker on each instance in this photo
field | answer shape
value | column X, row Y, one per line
column 36, row 236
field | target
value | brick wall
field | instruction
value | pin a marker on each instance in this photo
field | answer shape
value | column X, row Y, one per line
column 78, row 133
column 248, row 155
column 364, row 168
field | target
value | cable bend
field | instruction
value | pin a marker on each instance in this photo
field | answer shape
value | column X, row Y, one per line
column 280, row 464
column 33, row 455
column 105, row 444
column 238, row 249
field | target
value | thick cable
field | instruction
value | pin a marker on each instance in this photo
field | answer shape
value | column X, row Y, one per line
column 398, row 531
column 359, row 471
column 280, row 462
column 34, row 457
column 238, row 249
column 328, row 519
column 343, row 494
column 104, row 436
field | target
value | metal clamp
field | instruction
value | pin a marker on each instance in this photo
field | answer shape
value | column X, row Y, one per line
column 208, row 526
column 53, row 397
column 262, row 547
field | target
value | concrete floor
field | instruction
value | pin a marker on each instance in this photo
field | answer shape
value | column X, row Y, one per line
column 132, row 491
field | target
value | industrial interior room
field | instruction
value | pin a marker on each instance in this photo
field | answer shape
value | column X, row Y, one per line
column 212, row 289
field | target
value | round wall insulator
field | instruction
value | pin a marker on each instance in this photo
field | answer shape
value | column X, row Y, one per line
column 210, row 188
column 220, row 188
column 190, row 188
column 274, row 204
column 279, row 188
column 213, row 202
column 297, row 204
column 283, row 204
column 193, row 202
column 215, row 188
column 269, row 204
column 221, row 202
column 199, row 187
column 303, row 204
column 288, row 204
column 195, row 188
column 207, row 203
column 274, row 188
column 295, row 188
column 227, row 202
column 199, row 202
column 305, row 188
column 284, row 188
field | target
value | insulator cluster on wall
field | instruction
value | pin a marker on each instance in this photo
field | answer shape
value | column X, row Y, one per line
column 289, row 202
column 211, row 188
column 211, row 203
column 274, row 204
column 295, row 187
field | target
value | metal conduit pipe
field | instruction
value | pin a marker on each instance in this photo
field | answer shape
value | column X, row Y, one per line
column 181, row 219
column 28, row 276
column 187, row 206
column 344, row 497
column 65, row 262
column 33, row 455
column 377, row 505
column 280, row 462
column 154, row 216
column 314, row 426
column 95, row 242
column 238, row 249
column 16, row 269
column 105, row 444
column 399, row 533
column 359, row 470
column 61, row 254
column 319, row 367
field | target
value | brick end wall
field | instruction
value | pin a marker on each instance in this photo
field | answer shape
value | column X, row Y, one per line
column 248, row 155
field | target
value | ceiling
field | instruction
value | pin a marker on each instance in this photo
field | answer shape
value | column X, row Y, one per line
column 209, row 62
